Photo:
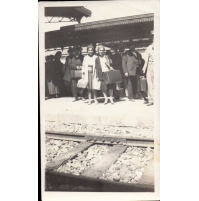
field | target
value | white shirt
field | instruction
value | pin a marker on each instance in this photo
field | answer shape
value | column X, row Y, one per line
column 88, row 61
column 103, row 64
column 135, row 54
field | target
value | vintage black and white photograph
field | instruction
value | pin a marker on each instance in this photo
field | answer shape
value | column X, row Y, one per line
column 99, row 101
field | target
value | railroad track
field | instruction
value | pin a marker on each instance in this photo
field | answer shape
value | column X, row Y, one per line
column 90, row 178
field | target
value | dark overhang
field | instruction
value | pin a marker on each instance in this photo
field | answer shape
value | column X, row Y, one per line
column 69, row 12
column 115, row 22
column 115, row 30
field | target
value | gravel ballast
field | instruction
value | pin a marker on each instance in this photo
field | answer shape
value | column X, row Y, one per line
column 84, row 160
column 138, row 131
column 130, row 165
column 56, row 147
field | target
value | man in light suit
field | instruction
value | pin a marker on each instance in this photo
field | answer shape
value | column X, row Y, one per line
column 148, row 69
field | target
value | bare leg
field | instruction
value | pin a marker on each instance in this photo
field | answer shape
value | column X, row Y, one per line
column 105, row 96
column 111, row 95
column 95, row 96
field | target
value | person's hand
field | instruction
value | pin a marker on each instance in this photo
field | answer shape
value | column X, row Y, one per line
column 126, row 74
column 111, row 68
column 97, row 79
column 143, row 70
column 78, row 67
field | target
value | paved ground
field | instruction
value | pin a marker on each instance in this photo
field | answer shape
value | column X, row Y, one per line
column 122, row 113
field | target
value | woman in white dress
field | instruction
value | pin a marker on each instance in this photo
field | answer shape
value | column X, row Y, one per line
column 88, row 71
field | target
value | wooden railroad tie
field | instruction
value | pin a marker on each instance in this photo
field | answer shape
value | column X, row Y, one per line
column 105, row 162
column 66, row 156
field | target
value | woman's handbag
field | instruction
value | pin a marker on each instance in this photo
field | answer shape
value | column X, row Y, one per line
column 112, row 76
column 82, row 83
column 75, row 73
column 143, row 83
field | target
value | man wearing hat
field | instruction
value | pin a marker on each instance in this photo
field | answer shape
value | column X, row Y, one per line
column 75, row 63
column 70, row 55
column 131, row 64
column 148, row 69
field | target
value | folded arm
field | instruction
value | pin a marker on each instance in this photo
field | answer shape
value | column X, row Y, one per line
column 71, row 65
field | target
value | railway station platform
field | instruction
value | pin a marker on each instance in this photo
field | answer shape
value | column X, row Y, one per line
column 122, row 113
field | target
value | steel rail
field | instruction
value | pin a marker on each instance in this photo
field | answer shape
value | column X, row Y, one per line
column 102, row 139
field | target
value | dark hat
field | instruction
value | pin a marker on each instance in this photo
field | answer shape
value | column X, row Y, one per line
column 131, row 43
column 70, row 49
column 76, row 47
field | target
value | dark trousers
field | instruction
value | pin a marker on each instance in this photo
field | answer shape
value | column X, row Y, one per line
column 132, row 86
column 82, row 92
column 125, row 81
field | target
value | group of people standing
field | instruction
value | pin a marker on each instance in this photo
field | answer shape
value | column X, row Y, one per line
column 54, row 74
column 94, row 66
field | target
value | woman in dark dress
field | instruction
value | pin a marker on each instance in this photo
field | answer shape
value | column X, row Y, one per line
column 102, row 65
column 49, row 75
column 57, row 77
column 46, row 76
column 117, row 65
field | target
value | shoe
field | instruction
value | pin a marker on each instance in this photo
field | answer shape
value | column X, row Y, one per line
column 112, row 102
column 96, row 102
column 146, row 102
column 132, row 100
column 89, row 103
column 150, row 104
column 56, row 96
column 75, row 99
column 106, row 101
column 83, row 99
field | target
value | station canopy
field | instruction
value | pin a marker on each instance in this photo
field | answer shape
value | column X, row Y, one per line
column 112, row 32
column 73, row 13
